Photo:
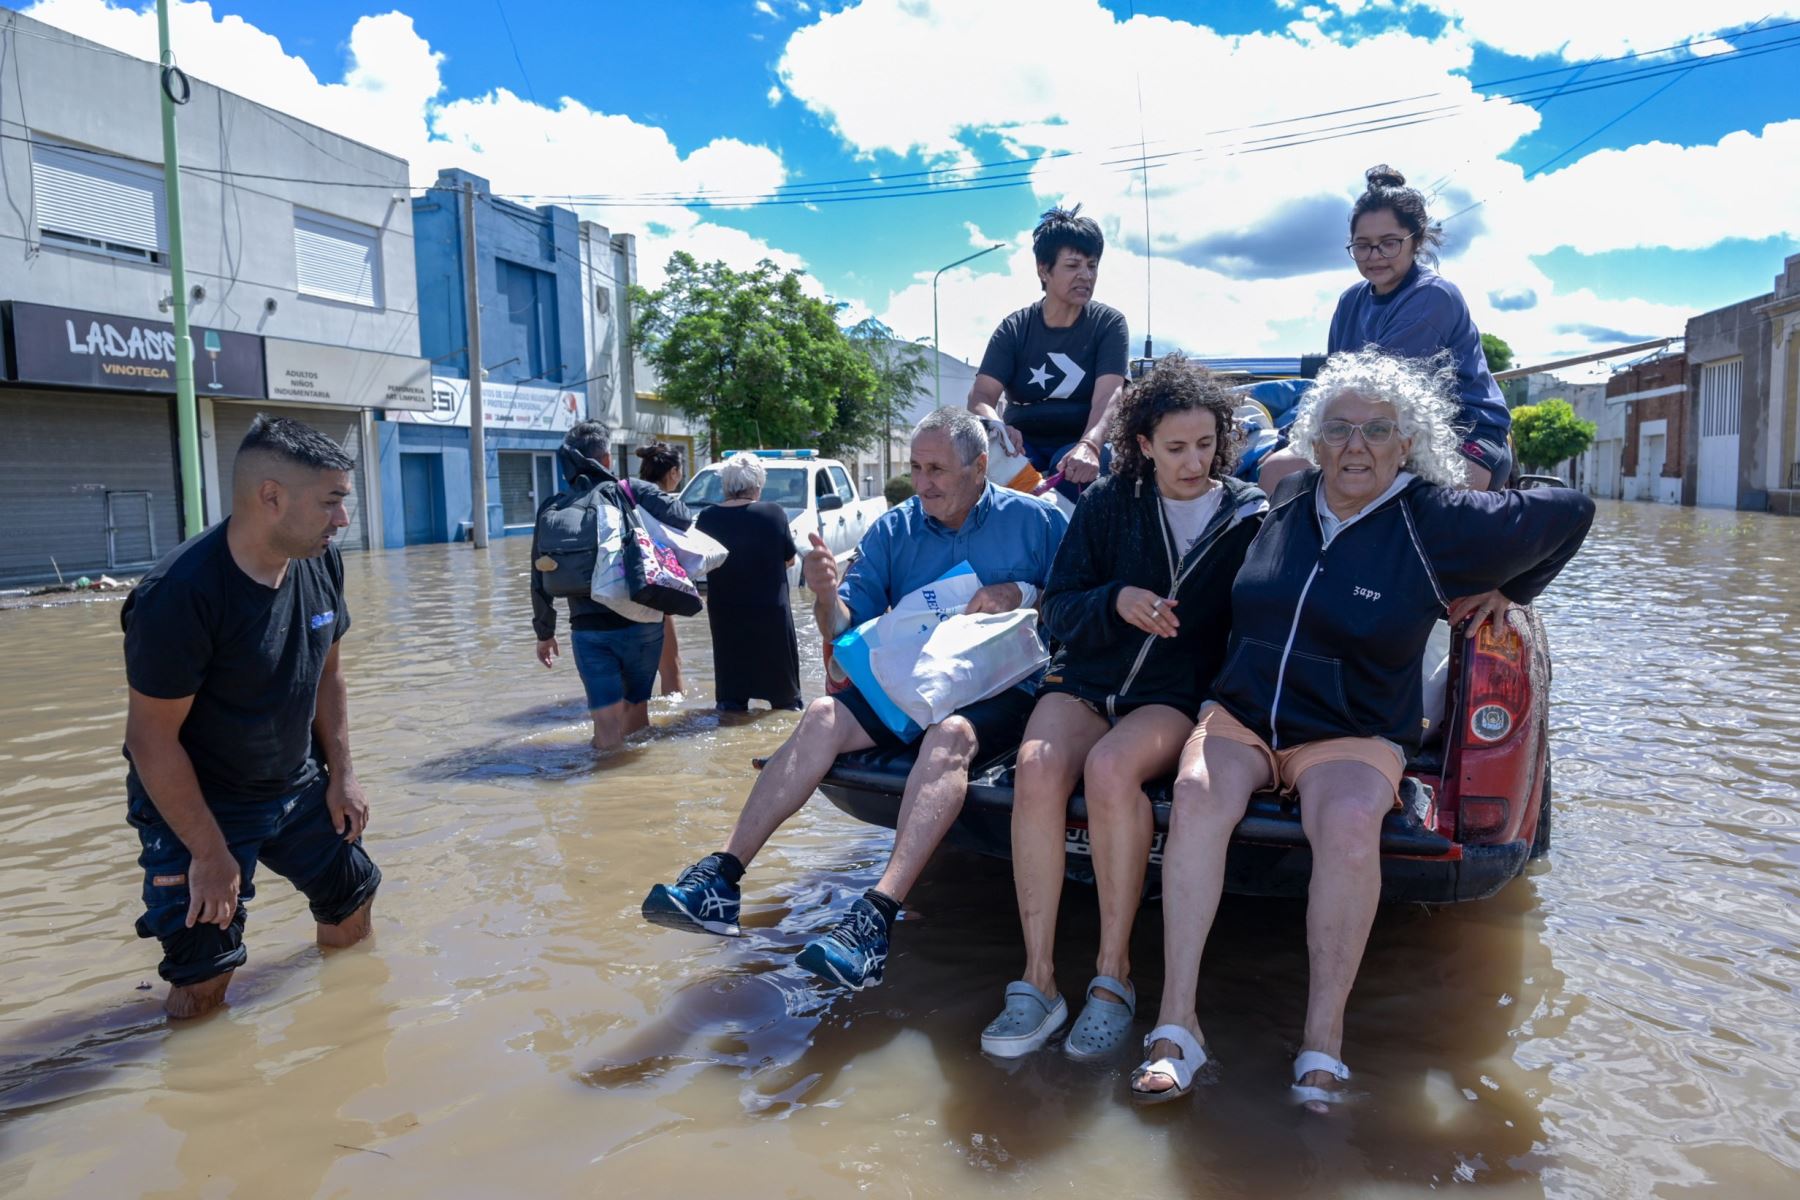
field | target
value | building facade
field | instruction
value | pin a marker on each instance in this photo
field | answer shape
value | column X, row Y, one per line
column 529, row 280
column 1728, row 410
column 1781, row 461
column 299, row 262
column 1595, row 471
column 1653, row 457
column 622, row 389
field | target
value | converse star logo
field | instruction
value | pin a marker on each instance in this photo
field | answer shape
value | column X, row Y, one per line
column 1040, row 376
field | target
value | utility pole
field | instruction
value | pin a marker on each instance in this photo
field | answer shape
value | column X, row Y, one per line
column 478, row 529
column 187, row 418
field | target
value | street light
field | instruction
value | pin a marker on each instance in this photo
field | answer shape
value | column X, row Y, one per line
column 937, row 353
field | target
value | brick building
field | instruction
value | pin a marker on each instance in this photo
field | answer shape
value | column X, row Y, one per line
column 1653, row 460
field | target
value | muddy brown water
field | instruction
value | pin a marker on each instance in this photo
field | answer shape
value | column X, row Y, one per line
column 1621, row 1022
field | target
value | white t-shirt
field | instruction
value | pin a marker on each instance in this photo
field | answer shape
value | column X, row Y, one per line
column 1187, row 518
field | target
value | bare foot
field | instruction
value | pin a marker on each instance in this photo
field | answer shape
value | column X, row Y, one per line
column 1323, row 1080
column 351, row 930
column 196, row 999
column 1155, row 1082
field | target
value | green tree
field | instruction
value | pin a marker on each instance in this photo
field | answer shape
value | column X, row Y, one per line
column 1499, row 355
column 755, row 357
column 900, row 368
column 1546, row 434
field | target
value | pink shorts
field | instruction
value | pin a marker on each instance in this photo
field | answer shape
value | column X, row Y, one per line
column 1287, row 766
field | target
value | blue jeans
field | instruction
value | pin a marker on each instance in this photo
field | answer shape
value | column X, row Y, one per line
column 618, row 664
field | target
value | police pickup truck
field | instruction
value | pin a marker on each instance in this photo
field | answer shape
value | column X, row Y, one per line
column 817, row 494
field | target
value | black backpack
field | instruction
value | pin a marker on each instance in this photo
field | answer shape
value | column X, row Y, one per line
column 568, row 541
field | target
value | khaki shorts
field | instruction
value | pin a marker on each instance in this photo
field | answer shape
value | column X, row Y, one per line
column 1287, row 766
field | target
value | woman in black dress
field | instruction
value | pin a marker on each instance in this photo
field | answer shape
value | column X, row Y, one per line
column 755, row 656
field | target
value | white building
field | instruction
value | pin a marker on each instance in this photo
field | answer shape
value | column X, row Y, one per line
column 299, row 261
column 622, row 388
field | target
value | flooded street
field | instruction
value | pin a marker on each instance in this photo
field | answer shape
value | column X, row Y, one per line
column 1621, row 1022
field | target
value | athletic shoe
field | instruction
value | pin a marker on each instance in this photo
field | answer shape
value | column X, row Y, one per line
column 854, row 953
column 701, row 900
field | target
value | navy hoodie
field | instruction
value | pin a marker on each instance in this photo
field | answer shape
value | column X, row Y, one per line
column 1326, row 641
column 1119, row 538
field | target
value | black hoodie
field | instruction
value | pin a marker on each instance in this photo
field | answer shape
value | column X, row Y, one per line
column 1327, row 639
column 1120, row 538
column 584, row 473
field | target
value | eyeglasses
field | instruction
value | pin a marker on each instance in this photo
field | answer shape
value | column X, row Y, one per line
column 1374, row 433
column 1387, row 247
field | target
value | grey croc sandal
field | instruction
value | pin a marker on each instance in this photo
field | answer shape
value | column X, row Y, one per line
column 1025, row 1024
column 1103, row 1025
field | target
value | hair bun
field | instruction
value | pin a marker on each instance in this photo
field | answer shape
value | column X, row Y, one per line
column 1383, row 176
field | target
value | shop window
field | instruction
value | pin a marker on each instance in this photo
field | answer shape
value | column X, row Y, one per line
column 527, row 479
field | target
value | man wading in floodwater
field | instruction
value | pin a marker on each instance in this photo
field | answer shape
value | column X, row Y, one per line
column 236, row 694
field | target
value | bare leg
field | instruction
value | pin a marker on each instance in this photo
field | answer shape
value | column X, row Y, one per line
column 1212, row 788
column 196, row 999
column 1146, row 743
column 637, row 716
column 1341, row 807
column 1061, row 732
column 669, row 669
column 825, row 731
column 934, row 795
column 351, row 930
column 609, row 726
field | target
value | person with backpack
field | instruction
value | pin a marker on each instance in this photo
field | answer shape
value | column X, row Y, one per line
column 616, row 657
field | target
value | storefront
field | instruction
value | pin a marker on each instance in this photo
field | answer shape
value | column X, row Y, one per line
column 88, row 464
column 427, row 489
column 333, row 389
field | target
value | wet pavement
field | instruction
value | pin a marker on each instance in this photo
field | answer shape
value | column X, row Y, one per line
column 1621, row 1022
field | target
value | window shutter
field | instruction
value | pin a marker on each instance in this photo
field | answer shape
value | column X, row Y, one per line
column 335, row 259
column 88, row 195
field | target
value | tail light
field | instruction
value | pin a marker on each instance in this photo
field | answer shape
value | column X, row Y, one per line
column 1499, row 687
column 1480, row 818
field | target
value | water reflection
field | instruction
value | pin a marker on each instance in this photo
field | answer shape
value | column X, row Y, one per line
column 1622, row 1020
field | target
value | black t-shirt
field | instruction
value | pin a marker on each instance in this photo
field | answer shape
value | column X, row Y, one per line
column 1049, row 373
column 250, row 656
column 760, row 542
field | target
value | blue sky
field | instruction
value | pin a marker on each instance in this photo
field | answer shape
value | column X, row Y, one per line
column 1619, row 234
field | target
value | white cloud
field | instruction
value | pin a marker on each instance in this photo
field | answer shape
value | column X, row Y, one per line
column 1247, row 231
column 765, row 8
column 391, row 97
column 774, row 94
column 1596, row 28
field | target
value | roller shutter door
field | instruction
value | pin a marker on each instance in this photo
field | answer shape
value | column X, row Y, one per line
column 62, row 454
column 232, row 421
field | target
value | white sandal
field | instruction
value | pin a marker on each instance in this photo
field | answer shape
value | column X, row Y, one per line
column 1181, row 1070
column 1305, row 1064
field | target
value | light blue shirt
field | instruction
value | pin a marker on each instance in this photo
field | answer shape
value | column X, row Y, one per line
column 1008, row 537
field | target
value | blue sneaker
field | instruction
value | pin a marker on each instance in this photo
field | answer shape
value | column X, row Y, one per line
column 854, row 954
column 701, row 900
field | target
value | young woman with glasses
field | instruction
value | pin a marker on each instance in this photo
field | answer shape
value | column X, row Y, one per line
column 1403, row 307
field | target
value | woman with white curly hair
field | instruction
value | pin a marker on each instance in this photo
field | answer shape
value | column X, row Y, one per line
column 1320, row 691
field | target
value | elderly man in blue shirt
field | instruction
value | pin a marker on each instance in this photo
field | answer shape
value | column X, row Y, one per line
column 955, row 515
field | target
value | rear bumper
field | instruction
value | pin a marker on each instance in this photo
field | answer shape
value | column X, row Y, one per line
column 1269, row 853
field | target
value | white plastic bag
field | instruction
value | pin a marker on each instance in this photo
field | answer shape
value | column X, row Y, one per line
column 610, row 586
column 697, row 552
column 963, row 658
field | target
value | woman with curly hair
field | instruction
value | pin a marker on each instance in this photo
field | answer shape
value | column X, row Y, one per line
column 1320, row 692
column 1137, row 599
